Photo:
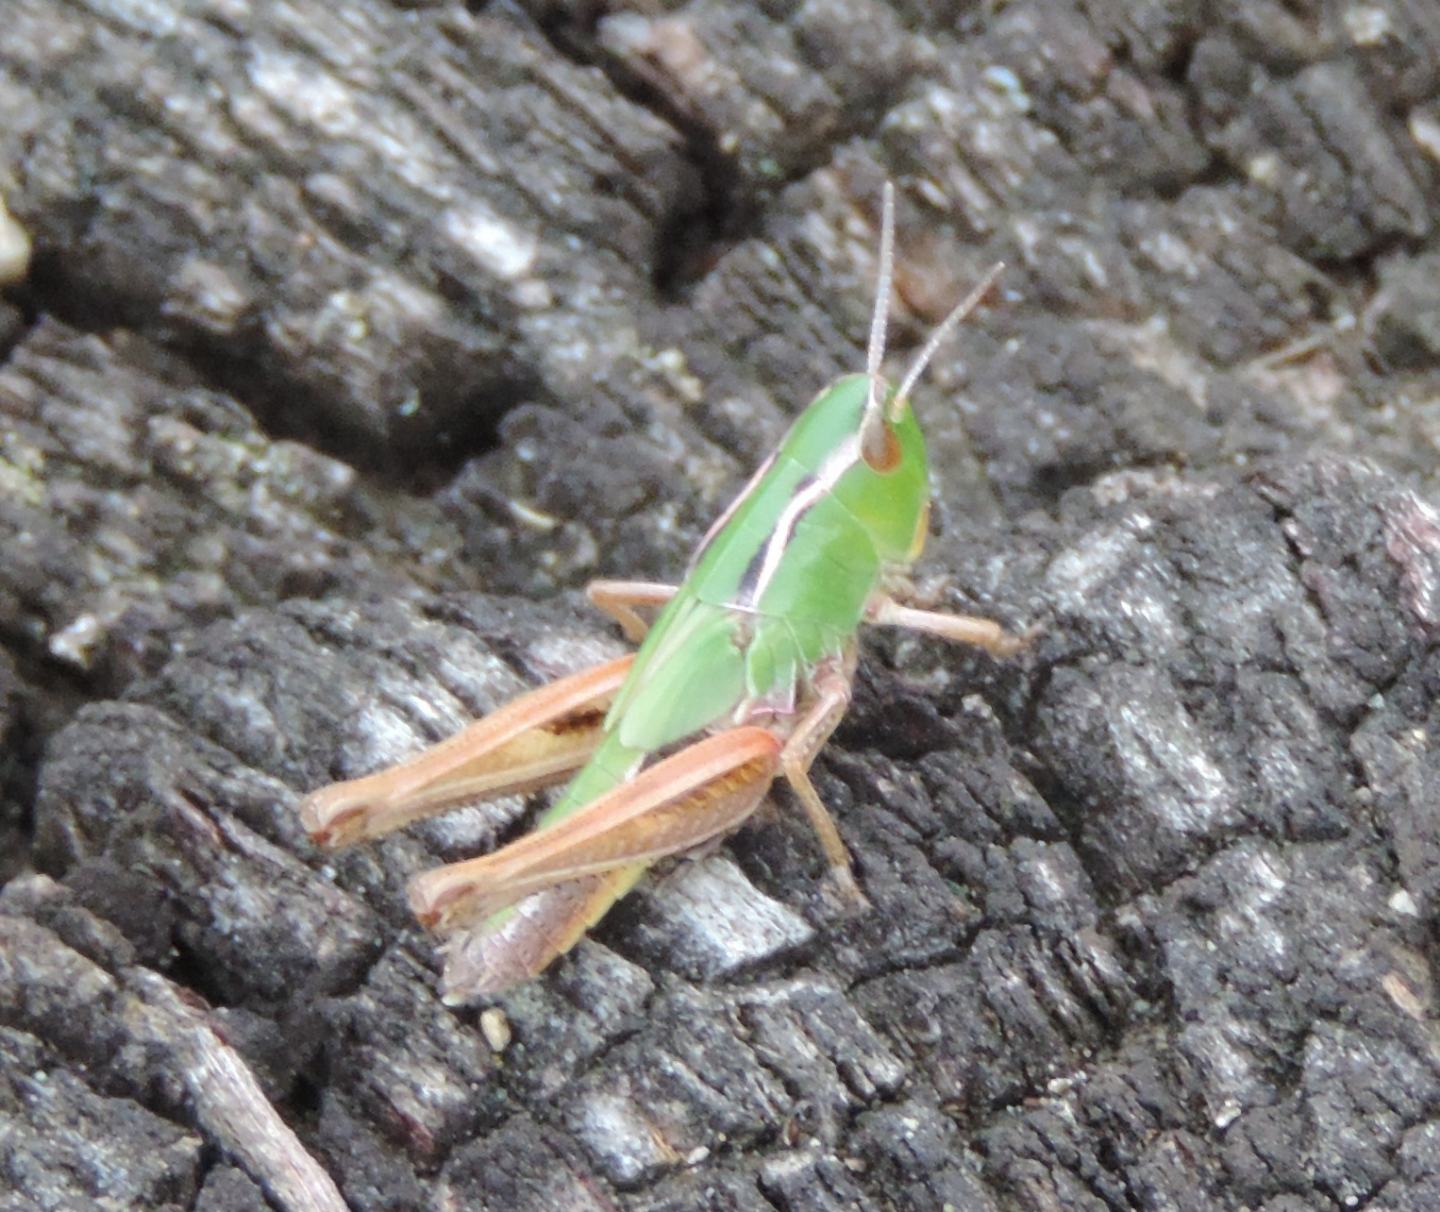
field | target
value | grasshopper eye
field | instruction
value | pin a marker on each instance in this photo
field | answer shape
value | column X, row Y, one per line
column 880, row 448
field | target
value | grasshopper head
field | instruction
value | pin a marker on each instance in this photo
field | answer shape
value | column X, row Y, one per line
column 885, row 489
column 859, row 441
column 890, row 492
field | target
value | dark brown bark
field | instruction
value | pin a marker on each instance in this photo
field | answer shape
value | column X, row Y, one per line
column 353, row 342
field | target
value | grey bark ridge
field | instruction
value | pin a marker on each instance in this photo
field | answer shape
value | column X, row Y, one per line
column 341, row 347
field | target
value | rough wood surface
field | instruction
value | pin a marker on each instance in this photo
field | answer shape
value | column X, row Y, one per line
column 343, row 343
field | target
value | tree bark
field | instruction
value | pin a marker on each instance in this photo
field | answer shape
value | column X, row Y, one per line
column 352, row 340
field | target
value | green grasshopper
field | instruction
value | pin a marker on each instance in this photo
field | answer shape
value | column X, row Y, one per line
column 753, row 653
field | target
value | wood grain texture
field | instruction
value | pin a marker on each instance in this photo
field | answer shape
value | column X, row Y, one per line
column 356, row 338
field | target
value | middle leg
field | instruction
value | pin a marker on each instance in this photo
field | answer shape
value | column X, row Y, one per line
column 962, row 628
column 812, row 730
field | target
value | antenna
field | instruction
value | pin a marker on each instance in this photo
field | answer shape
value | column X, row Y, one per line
column 885, row 276
column 937, row 338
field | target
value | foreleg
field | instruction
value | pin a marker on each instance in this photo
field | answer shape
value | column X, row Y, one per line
column 620, row 599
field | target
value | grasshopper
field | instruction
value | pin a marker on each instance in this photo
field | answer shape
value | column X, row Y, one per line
column 742, row 677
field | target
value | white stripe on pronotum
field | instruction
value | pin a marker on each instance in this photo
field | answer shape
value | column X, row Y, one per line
column 809, row 493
